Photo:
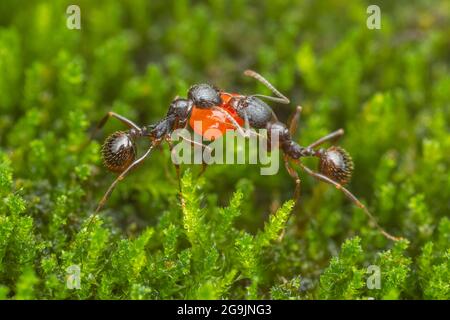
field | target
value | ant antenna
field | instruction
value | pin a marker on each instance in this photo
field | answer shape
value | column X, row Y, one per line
column 281, row 98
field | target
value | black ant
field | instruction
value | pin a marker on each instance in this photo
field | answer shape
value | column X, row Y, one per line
column 235, row 110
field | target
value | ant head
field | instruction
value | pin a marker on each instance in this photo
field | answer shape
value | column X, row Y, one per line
column 336, row 164
column 204, row 96
column 119, row 151
column 278, row 128
column 180, row 108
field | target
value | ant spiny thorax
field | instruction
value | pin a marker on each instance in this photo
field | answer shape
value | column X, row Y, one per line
column 215, row 119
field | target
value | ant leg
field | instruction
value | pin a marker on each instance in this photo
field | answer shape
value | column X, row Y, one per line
column 233, row 121
column 204, row 146
column 293, row 122
column 110, row 114
column 176, row 165
column 246, row 122
column 203, row 169
column 174, row 155
column 244, row 132
column 331, row 136
column 294, row 176
column 192, row 142
column 120, row 177
column 350, row 196
column 281, row 98
column 177, row 170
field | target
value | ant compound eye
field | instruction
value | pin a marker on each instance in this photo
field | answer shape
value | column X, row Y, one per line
column 118, row 151
column 336, row 164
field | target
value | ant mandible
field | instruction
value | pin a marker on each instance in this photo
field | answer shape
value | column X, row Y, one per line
column 223, row 111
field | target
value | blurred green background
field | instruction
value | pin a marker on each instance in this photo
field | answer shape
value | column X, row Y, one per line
column 389, row 89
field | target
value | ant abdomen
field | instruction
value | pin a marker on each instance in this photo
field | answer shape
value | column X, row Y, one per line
column 118, row 151
column 336, row 164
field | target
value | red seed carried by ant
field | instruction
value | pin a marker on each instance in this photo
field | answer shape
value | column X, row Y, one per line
column 215, row 119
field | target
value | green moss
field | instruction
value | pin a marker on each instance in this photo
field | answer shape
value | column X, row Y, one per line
column 344, row 278
column 231, row 233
